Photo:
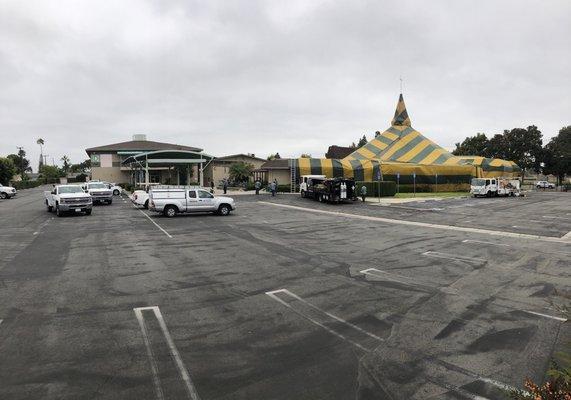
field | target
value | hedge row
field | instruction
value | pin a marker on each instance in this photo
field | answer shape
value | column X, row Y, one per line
column 26, row 184
column 388, row 188
column 429, row 188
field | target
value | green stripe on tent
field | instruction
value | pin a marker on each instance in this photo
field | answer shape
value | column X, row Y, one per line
column 443, row 157
column 357, row 170
column 423, row 153
column 337, row 168
column 315, row 164
column 407, row 147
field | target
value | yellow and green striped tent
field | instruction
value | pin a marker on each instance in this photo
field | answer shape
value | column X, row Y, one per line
column 402, row 150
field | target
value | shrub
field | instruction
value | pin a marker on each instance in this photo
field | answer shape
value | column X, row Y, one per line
column 26, row 184
column 388, row 188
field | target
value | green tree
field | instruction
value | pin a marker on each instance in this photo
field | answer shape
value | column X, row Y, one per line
column 7, row 170
column 557, row 154
column 41, row 142
column 241, row 171
column 362, row 141
column 50, row 173
column 274, row 157
column 66, row 164
column 84, row 166
column 472, row 146
column 305, row 155
column 524, row 146
column 21, row 163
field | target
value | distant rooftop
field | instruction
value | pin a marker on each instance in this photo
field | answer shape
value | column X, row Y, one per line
column 141, row 144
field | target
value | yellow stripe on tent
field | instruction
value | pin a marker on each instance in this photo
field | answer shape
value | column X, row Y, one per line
column 304, row 166
column 378, row 144
column 429, row 159
column 390, row 135
column 327, row 167
column 496, row 162
column 347, row 169
column 415, row 151
column 366, row 152
column 398, row 145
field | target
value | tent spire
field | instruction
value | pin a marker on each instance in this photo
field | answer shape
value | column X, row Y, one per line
column 401, row 116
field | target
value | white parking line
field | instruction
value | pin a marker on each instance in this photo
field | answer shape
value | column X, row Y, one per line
column 157, row 225
column 483, row 242
column 42, row 225
column 427, row 225
column 546, row 316
column 452, row 256
column 191, row 390
column 273, row 293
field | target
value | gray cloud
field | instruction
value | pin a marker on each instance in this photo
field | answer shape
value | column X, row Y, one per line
column 261, row 77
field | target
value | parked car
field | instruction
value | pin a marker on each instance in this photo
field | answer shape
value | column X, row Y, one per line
column 544, row 185
column 99, row 191
column 68, row 198
column 115, row 189
column 171, row 201
column 140, row 198
column 7, row 192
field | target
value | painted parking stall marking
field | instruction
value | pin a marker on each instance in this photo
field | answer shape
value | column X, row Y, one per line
column 190, row 390
column 484, row 242
column 339, row 327
column 404, row 280
column 153, row 222
column 453, row 257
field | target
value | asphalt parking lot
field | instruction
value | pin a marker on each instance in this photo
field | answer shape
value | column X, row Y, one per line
column 284, row 299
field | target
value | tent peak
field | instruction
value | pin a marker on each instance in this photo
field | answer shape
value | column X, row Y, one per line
column 401, row 116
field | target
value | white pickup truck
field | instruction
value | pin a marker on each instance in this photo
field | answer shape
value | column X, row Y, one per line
column 179, row 199
column 99, row 191
column 494, row 187
column 68, row 198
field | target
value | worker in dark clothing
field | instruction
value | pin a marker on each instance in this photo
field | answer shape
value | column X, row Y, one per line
column 225, row 185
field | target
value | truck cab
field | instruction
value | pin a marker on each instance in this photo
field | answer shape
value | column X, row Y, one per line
column 68, row 199
column 494, row 187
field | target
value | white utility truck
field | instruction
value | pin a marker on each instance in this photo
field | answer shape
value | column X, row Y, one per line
column 68, row 198
column 491, row 187
column 171, row 200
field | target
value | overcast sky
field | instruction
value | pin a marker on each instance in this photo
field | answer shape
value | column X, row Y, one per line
column 264, row 76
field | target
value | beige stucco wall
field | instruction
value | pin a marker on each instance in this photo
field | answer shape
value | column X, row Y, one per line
column 219, row 170
column 282, row 175
column 110, row 174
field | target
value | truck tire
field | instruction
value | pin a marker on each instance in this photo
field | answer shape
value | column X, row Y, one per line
column 489, row 194
column 87, row 212
column 224, row 209
column 146, row 205
column 3, row 195
column 58, row 212
column 116, row 192
column 110, row 201
column 170, row 211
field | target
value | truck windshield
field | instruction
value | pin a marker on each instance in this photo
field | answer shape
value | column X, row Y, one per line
column 478, row 182
column 70, row 189
column 97, row 186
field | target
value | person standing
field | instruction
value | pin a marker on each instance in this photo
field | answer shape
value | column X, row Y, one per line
column 212, row 186
column 225, row 185
column 363, row 192
column 273, row 188
column 257, row 186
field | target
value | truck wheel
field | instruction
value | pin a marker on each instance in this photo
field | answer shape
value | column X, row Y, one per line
column 146, row 205
column 87, row 212
column 58, row 212
column 170, row 211
column 116, row 192
column 110, row 201
column 224, row 209
column 48, row 207
column 489, row 194
column 3, row 195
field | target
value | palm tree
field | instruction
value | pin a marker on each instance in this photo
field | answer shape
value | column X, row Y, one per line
column 66, row 164
column 40, row 141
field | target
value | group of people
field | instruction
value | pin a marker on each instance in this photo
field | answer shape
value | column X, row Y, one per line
column 273, row 186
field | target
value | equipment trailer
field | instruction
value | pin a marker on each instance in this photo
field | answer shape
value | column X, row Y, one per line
column 333, row 190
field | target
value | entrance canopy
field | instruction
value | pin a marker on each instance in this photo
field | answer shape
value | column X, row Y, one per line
column 162, row 159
